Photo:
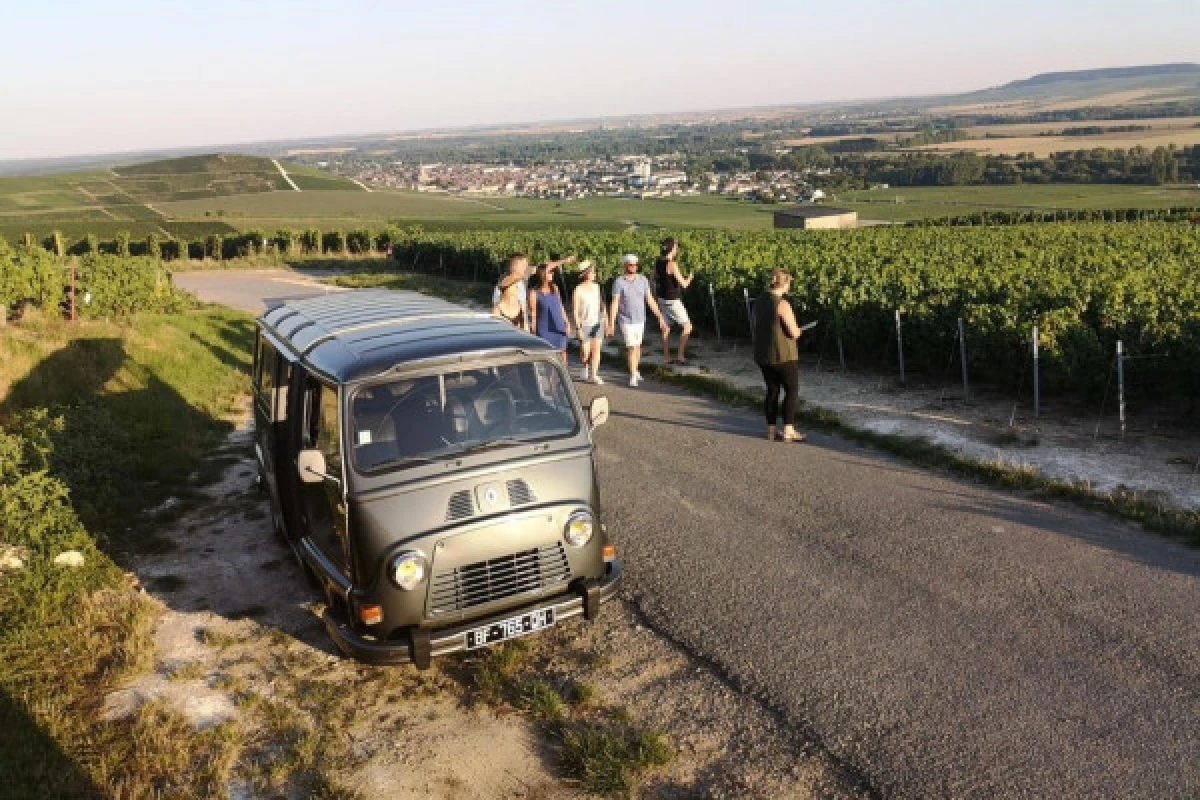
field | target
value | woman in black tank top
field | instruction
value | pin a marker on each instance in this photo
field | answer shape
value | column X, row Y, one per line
column 669, row 285
column 775, row 352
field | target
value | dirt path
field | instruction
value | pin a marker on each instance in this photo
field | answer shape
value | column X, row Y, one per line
column 286, row 177
column 239, row 641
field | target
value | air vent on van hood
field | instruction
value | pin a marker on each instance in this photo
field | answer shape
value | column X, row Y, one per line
column 461, row 505
column 519, row 493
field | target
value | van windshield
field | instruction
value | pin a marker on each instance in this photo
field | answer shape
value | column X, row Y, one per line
column 417, row 420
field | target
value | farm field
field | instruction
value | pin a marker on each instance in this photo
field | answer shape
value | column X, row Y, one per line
column 1043, row 146
column 341, row 208
column 907, row 203
column 127, row 198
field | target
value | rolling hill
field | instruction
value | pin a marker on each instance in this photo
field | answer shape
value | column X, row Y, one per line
column 126, row 197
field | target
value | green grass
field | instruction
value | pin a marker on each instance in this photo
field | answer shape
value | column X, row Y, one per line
column 902, row 204
column 99, row 421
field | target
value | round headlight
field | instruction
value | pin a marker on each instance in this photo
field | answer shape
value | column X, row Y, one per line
column 580, row 527
column 408, row 570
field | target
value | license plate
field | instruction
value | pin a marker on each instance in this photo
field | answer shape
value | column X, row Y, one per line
column 510, row 628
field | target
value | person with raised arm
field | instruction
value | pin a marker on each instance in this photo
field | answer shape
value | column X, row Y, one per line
column 669, row 285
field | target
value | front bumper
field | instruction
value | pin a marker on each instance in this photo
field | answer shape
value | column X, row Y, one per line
column 422, row 645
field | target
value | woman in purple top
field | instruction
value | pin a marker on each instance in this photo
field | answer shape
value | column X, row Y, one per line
column 546, row 311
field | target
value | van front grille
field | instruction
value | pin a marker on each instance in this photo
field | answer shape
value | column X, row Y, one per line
column 498, row 578
column 461, row 505
column 519, row 493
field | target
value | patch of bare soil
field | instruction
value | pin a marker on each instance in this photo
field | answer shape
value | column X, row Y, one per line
column 1157, row 456
column 240, row 642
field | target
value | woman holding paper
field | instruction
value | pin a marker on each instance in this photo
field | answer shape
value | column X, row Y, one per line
column 775, row 352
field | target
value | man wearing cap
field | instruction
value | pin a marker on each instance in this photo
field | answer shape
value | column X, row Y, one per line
column 631, row 296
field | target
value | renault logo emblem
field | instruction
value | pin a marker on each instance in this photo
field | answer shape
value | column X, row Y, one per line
column 491, row 496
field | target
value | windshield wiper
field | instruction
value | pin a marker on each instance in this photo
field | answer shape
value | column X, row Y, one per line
column 491, row 444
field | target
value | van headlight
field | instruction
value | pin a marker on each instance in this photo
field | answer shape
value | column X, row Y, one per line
column 579, row 529
column 408, row 570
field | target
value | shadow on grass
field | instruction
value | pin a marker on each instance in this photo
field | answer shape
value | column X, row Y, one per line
column 114, row 430
column 118, row 452
column 32, row 764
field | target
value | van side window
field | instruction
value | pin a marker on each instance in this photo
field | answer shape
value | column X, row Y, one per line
column 329, row 437
column 321, row 425
column 264, row 373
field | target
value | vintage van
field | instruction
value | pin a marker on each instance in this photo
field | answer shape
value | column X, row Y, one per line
column 432, row 469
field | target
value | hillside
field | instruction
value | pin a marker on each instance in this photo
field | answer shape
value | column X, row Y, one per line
column 1154, row 71
column 1061, row 91
column 126, row 197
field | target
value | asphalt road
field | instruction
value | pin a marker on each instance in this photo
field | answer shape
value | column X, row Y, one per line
column 938, row 638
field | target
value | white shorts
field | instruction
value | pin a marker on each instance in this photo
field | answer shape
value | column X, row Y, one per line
column 674, row 312
column 631, row 334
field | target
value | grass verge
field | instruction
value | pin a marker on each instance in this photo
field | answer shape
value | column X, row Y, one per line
column 98, row 422
column 599, row 747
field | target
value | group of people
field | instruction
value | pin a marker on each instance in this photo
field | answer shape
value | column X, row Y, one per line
column 533, row 302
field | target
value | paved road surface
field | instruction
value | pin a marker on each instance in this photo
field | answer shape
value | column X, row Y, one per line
column 942, row 640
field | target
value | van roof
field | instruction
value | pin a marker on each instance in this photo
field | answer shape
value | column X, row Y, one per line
column 351, row 335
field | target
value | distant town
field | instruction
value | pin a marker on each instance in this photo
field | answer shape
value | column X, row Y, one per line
column 635, row 176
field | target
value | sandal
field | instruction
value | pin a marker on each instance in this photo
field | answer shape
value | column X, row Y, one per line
column 798, row 437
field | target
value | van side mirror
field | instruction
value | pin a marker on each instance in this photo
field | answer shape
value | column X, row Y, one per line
column 598, row 412
column 311, row 466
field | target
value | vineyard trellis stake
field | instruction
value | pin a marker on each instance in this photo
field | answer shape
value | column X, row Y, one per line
column 1121, row 384
column 837, row 326
column 900, row 345
column 962, row 349
column 1037, row 388
column 749, row 308
column 712, row 299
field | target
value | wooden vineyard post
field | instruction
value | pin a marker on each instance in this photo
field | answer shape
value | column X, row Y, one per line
column 749, row 310
column 71, row 296
column 900, row 345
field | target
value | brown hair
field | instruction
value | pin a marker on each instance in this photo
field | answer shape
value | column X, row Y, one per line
column 780, row 277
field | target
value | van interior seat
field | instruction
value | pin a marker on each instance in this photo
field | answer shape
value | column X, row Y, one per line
column 496, row 409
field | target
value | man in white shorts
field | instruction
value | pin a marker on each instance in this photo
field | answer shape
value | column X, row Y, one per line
column 631, row 296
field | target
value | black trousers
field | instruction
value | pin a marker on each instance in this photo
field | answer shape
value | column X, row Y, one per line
column 785, row 376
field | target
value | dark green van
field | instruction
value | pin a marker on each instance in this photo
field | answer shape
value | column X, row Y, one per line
column 432, row 469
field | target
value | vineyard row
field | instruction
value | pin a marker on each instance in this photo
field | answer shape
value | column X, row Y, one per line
column 1084, row 285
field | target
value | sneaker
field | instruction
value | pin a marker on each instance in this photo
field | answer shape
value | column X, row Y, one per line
column 597, row 379
column 585, row 374
column 634, row 379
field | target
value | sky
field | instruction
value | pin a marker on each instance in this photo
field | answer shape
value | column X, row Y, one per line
column 86, row 77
